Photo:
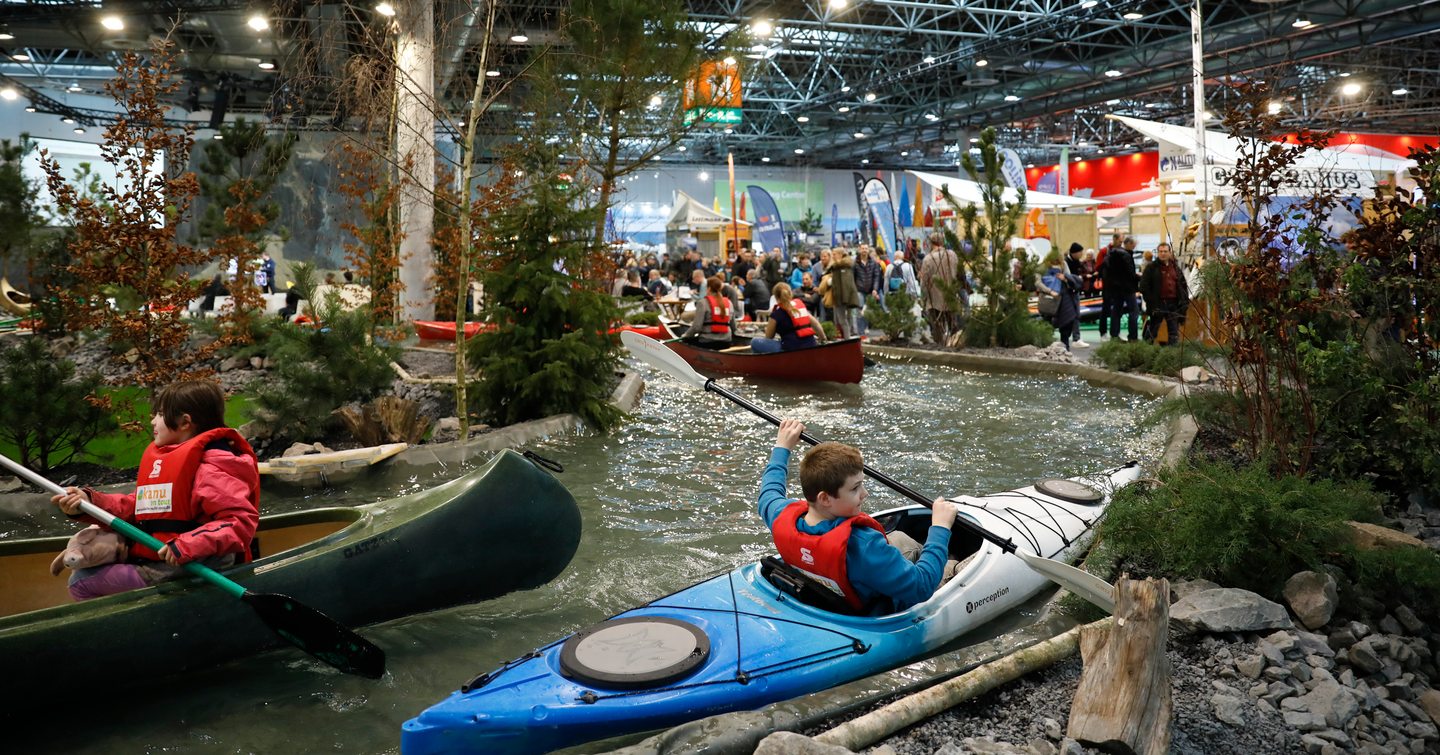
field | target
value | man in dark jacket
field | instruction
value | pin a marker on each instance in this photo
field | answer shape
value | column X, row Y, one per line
column 1120, row 282
column 757, row 294
column 1167, row 295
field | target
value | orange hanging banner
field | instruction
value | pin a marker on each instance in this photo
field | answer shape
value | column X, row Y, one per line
column 712, row 94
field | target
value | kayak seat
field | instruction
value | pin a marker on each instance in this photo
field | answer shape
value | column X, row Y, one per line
column 804, row 588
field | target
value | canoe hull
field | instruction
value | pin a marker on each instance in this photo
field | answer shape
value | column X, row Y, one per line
column 436, row 330
column 505, row 527
column 784, row 648
column 837, row 361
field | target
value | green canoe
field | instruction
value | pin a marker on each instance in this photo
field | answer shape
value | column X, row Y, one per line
column 505, row 527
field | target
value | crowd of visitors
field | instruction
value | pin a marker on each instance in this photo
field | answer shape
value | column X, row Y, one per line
column 841, row 285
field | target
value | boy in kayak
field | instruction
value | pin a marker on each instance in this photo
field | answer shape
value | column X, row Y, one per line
column 198, row 492
column 828, row 537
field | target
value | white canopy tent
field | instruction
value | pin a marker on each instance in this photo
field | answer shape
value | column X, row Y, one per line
column 968, row 192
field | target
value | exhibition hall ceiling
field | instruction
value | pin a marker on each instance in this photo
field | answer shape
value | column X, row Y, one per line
column 897, row 83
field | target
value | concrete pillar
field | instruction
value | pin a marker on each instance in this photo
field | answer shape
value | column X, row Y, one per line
column 415, row 153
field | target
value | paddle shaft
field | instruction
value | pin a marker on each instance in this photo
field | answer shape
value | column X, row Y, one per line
column 1004, row 544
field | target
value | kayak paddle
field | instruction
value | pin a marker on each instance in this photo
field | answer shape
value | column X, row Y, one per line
column 296, row 623
column 1082, row 583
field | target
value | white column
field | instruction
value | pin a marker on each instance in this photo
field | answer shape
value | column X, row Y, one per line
column 415, row 154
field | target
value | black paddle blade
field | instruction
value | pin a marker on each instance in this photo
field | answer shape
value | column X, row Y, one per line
column 318, row 634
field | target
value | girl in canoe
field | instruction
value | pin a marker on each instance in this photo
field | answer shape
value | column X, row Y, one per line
column 198, row 492
column 797, row 328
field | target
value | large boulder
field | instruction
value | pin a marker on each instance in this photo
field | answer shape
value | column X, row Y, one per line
column 1369, row 537
column 790, row 743
column 1313, row 597
column 1229, row 609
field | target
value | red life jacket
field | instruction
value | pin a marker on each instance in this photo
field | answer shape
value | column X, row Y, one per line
column 820, row 556
column 804, row 327
column 719, row 314
column 164, row 506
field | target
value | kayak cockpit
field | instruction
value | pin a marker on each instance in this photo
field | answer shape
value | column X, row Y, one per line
column 26, row 583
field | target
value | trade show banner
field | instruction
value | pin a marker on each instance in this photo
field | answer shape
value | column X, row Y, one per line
column 712, row 93
column 769, row 228
column 877, row 196
column 864, row 207
column 1011, row 169
column 1298, row 182
column 834, row 224
column 792, row 198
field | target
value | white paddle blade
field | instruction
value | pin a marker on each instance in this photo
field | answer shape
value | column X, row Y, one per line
column 1082, row 583
column 659, row 356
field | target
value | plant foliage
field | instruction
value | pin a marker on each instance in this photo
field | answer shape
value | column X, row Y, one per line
column 987, row 229
column 897, row 318
column 1138, row 356
column 48, row 413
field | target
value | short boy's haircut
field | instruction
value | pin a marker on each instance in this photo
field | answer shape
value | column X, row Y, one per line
column 201, row 399
column 827, row 467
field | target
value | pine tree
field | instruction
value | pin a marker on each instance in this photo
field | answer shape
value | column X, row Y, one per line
column 552, row 352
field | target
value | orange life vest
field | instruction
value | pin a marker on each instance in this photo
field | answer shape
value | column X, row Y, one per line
column 821, row 557
column 164, row 505
column 719, row 314
column 804, row 325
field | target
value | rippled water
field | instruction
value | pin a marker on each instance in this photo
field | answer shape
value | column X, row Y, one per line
column 666, row 501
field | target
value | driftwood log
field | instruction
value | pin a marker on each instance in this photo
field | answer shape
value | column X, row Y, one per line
column 878, row 724
column 1123, row 703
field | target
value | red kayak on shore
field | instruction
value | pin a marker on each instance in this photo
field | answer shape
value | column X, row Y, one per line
column 439, row 330
column 837, row 361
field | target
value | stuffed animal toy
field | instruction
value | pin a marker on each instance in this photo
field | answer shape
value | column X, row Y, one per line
column 92, row 546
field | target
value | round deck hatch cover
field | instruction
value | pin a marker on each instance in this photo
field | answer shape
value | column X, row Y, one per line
column 642, row 651
column 1070, row 490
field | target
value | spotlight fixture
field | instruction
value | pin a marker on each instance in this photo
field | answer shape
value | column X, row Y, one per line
column 1133, row 16
column 492, row 74
column 9, row 93
column 20, row 57
column 729, row 130
column 1302, row 23
column 864, row 161
column 765, row 159
column 803, row 119
column 1088, row 4
column 385, row 9
column 258, row 23
column 74, row 87
column 519, row 37
column 1274, row 107
column 844, row 108
column 762, row 28
column 655, row 101
column 1400, row 92
column 1113, row 73
column 67, row 120
column 5, row 34
column 844, row 87
column 928, row 59
column 113, row 23
column 79, row 130
column 904, row 153
column 838, row 4
column 799, row 151
column 680, row 148
column 729, row 60
column 1351, row 88
column 981, row 63
column 859, row 135
column 267, row 65
column 931, row 117
column 1011, row 98
column 217, row 136
column 869, row 96
column 31, row 109
column 704, row 175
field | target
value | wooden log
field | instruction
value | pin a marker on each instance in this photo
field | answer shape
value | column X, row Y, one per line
column 878, row 724
column 1123, row 703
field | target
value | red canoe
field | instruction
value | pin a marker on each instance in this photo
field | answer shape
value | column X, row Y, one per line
column 838, row 361
column 435, row 330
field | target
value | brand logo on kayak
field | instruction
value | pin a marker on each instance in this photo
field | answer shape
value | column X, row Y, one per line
column 807, row 556
column 970, row 606
column 364, row 546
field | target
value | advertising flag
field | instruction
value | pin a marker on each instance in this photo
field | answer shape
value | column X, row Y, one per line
column 877, row 196
column 864, row 226
column 834, row 223
column 1011, row 169
column 769, row 228
column 905, row 213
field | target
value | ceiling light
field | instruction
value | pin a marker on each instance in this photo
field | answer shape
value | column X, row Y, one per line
column 762, row 28
column 974, row 140
column 67, row 119
column 20, row 56
column 844, row 87
column 1113, row 73
column 803, row 119
column 865, row 161
column 1302, row 23
column 5, row 34
column 1029, row 165
column 1401, row 92
column 799, row 151
column 9, row 93
column 113, row 23
column 1082, row 144
column 385, row 9
column 729, row 60
column 1133, row 16
column 655, row 101
column 869, row 96
column 680, row 148
column 904, row 153
column 704, row 175
column 219, row 137
column 928, row 59
column 1345, row 75
column 1209, row 116
column 1152, row 104
column 859, row 135
column 267, row 65
column 1088, row 4
column 74, row 87
column 838, row 4
column 493, row 74
column 1011, row 98
column 931, row 117
column 519, row 38
column 764, row 159
column 79, row 130
column 844, row 108
column 729, row 130
column 258, row 23
column 31, row 109
column 1352, row 88
column 981, row 63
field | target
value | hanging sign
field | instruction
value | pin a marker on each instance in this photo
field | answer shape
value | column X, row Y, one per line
column 712, row 95
column 1295, row 182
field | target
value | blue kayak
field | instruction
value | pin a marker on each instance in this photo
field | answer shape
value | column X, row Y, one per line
column 746, row 638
